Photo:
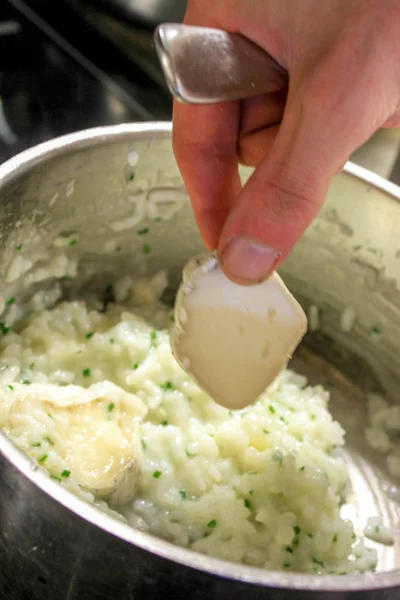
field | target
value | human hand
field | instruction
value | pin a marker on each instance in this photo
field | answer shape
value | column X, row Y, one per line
column 342, row 57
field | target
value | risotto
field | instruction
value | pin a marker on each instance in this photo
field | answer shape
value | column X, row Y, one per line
column 96, row 397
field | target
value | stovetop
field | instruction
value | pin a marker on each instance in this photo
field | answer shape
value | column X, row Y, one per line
column 63, row 69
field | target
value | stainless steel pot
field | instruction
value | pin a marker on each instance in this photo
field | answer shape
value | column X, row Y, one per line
column 55, row 546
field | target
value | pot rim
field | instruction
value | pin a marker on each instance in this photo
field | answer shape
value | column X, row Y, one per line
column 23, row 163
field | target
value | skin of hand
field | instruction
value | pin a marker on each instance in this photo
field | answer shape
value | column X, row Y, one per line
column 343, row 60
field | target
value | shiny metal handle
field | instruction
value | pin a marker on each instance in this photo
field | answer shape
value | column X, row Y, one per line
column 204, row 66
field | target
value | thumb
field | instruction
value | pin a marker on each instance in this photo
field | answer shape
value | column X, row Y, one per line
column 284, row 194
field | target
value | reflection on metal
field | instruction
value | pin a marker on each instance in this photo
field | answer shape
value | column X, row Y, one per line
column 6, row 133
column 9, row 28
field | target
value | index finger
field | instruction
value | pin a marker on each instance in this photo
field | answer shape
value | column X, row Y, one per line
column 205, row 146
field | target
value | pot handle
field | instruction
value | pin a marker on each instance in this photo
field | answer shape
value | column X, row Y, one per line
column 203, row 65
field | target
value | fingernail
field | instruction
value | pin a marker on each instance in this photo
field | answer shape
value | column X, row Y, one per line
column 247, row 261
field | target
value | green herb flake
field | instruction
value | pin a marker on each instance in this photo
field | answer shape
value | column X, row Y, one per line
column 157, row 474
column 296, row 529
column 89, row 335
column 172, row 318
column 32, row 365
column 247, row 504
column 353, row 537
column 295, row 541
column 265, row 431
column 18, row 248
column 252, row 473
column 51, row 416
column 3, row 328
column 55, row 478
column 164, row 423
column 43, row 458
column 313, row 417
column 153, row 335
column 289, row 549
column 73, row 242
column 10, row 300
column 251, row 492
column 66, row 473
column 310, row 535
column 36, row 445
column 109, row 288
column 144, row 445
column 157, row 220
column 318, row 562
column 48, row 440
column 146, row 248
column 377, row 529
column 136, row 366
column 282, row 419
column 167, row 386
column 271, row 409
column 212, row 524
column 10, row 387
column 26, row 382
column 302, row 468
column 335, row 538
column 286, row 565
column 112, row 341
column 118, row 248
column 182, row 494
column 86, row 372
column 110, row 407
column 376, row 330
column 143, row 230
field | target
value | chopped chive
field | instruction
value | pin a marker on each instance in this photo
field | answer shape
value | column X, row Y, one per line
column 11, row 300
column 313, row 417
column 73, row 242
column 164, row 423
column 146, row 248
column 10, row 387
column 144, row 445
column 172, row 318
column 302, row 468
column 376, row 330
column 32, row 365
column 48, row 440
column 377, row 529
column 212, row 524
column 282, row 419
column 36, row 445
column 117, row 248
column 251, row 492
column 230, row 413
column 86, row 372
column 252, row 473
column 136, row 366
column 189, row 454
column 289, row 549
column 18, row 247
column 153, row 335
column 143, row 230
column 211, row 435
column 89, row 335
column 167, row 386
column 43, row 458
column 157, row 474
column 287, row 565
column 109, row 288
column 295, row 541
column 66, row 473
column 334, row 539
column 110, row 407
column 353, row 537
column 26, row 381
column 55, row 478
column 112, row 340
column 182, row 494
column 247, row 504
column 157, row 220
column 265, row 431
column 131, row 176
column 297, row 529
column 3, row 328
column 310, row 535
column 318, row 562
column 271, row 409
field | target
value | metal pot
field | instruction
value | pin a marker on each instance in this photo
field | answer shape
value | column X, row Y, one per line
column 52, row 544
